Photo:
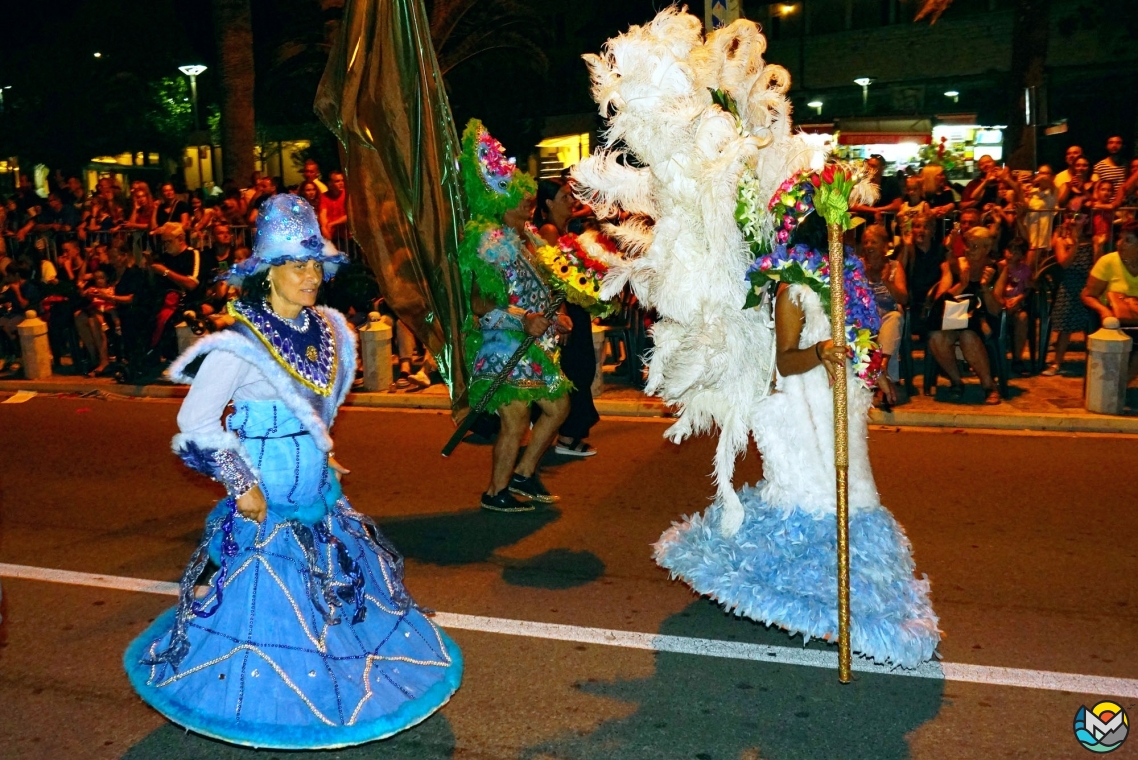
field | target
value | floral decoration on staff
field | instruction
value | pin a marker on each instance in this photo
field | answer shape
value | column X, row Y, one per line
column 576, row 266
column 798, row 263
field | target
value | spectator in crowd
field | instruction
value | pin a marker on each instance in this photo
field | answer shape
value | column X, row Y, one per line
column 254, row 189
column 1073, row 245
column 126, row 296
column 1073, row 154
column 75, row 194
column 985, row 188
column 312, row 174
column 16, row 297
column 310, row 191
column 1102, row 206
column 890, row 291
column 232, row 208
column 1004, row 218
column 1011, row 289
column 1112, row 286
column 334, row 210
column 912, row 204
column 1081, row 184
column 143, row 208
column 26, row 197
column 217, row 260
column 553, row 208
column 267, row 188
column 405, row 347
column 57, row 216
column 91, row 321
column 179, row 266
column 888, row 193
column 201, row 219
column 971, row 280
column 1112, row 168
column 106, row 216
column 954, row 241
column 938, row 192
column 1040, row 201
column 921, row 256
column 1128, row 194
column 170, row 210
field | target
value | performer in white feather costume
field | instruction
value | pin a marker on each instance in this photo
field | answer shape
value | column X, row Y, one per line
column 696, row 124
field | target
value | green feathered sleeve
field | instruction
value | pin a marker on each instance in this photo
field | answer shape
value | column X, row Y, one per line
column 475, row 269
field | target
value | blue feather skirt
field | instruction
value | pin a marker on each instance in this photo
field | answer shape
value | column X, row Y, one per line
column 780, row 569
column 307, row 638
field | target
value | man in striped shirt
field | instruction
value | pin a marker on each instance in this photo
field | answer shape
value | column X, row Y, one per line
column 1112, row 168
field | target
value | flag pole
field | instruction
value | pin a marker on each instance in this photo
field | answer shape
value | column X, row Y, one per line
column 841, row 448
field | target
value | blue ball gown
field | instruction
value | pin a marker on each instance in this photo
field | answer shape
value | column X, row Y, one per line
column 307, row 638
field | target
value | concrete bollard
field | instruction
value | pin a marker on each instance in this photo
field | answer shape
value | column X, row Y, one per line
column 35, row 347
column 1108, row 358
column 599, row 334
column 186, row 337
column 375, row 352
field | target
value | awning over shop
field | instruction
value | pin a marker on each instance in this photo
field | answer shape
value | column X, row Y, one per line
column 884, row 131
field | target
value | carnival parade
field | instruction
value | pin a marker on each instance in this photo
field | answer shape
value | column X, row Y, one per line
column 765, row 574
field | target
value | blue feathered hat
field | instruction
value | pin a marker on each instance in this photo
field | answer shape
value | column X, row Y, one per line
column 287, row 230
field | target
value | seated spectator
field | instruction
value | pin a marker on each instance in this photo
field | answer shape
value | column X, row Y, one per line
column 890, row 291
column 180, row 267
column 171, row 209
column 938, row 192
column 1128, row 193
column 921, row 256
column 334, row 211
column 1112, row 286
column 217, row 260
column 232, row 209
column 954, row 241
column 91, row 322
column 16, row 297
column 142, row 209
column 969, row 283
column 1011, row 288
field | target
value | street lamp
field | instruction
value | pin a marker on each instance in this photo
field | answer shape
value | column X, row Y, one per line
column 786, row 10
column 98, row 54
column 816, row 105
column 5, row 87
column 864, row 82
column 192, row 72
column 954, row 94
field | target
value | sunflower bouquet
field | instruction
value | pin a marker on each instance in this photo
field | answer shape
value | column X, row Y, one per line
column 576, row 266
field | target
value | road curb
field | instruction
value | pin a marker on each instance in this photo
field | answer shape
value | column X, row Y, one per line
column 1074, row 422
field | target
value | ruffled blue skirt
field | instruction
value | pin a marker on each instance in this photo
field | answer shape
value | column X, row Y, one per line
column 307, row 638
column 781, row 569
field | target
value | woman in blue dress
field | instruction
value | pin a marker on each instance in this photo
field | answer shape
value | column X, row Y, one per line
column 306, row 637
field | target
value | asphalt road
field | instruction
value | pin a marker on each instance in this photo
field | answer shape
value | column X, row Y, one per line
column 1028, row 541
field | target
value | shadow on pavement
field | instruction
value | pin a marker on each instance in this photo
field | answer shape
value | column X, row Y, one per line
column 463, row 538
column 555, row 569
column 432, row 738
column 711, row 708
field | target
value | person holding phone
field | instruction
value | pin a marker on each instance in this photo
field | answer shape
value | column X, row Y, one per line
column 1073, row 244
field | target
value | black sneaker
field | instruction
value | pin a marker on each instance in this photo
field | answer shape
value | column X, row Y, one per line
column 504, row 502
column 532, row 488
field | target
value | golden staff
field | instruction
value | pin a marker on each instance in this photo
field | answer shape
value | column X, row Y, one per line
column 841, row 447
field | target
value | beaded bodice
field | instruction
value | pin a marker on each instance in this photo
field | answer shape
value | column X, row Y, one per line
column 306, row 350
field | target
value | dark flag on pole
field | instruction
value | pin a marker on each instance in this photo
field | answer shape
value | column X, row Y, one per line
column 383, row 97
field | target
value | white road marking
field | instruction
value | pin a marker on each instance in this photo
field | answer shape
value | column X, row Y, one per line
column 949, row 671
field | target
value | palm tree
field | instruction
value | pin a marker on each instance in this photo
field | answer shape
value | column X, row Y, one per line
column 1031, row 29
column 462, row 29
column 233, row 30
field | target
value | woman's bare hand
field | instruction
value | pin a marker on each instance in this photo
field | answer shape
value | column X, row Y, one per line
column 833, row 358
column 251, row 504
column 337, row 468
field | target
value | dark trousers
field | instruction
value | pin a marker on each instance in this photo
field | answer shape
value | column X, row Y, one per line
column 579, row 364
